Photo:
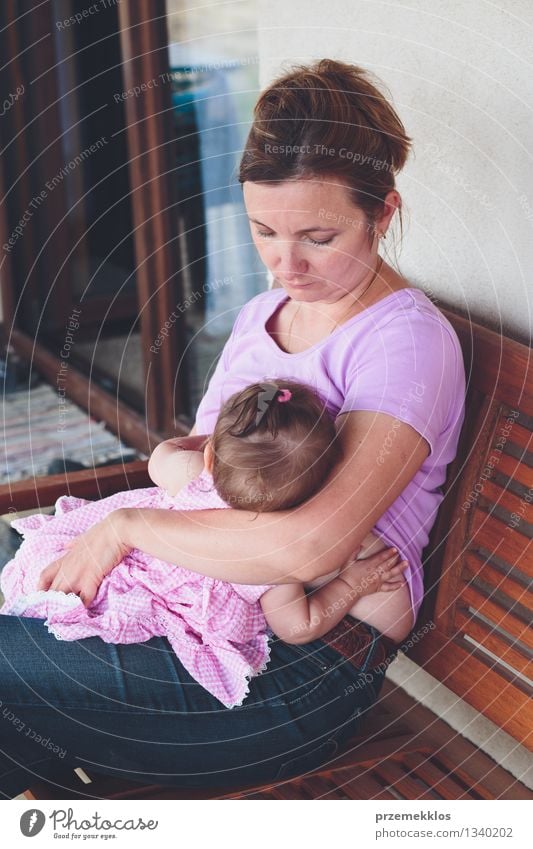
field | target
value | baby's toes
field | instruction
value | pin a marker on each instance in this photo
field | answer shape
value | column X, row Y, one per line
column 396, row 570
column 388, row 586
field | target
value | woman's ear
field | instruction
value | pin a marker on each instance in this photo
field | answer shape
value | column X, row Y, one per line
column 391, row 203
column 209, row 456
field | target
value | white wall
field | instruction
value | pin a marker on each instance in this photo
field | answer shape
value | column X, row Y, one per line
column 461, row 79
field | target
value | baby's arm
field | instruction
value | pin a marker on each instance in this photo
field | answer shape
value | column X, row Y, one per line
column 299, row 618
column 175, row 462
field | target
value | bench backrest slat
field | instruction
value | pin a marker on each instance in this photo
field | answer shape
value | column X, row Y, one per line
column 478, row 565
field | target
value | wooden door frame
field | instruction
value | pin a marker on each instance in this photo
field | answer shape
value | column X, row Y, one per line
column 150, row 139
column 151, row 145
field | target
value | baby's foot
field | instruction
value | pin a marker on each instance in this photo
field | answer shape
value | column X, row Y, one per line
column 382, row 572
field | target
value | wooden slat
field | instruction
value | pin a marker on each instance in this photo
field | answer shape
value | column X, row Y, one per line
column 318, row 788
column 522, row 437
column 367, row 754
column 509, row 501
column 498, row 538
column 506, row 619
column 288, row 790
column 512, row 468
column 489, row 637
column 476, row 567
column 363, row 786
column 394, row 775
column 92, row 484
column 478, row 786
column 500, row 367
column 444, row 783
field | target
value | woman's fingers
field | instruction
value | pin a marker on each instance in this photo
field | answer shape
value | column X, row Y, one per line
column 88, row 592
column 46, row 577
column 58, row 584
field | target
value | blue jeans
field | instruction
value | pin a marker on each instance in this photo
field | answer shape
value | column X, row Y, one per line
column 133, row 711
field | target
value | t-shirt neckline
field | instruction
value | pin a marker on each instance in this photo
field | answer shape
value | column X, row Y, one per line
column 340, row 327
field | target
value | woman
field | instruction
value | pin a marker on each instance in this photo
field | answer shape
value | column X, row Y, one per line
column 318, row 181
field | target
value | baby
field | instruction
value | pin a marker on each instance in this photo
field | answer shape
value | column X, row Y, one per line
column 271, row 449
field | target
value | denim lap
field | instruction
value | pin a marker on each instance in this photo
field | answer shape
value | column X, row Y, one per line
column 134, row 711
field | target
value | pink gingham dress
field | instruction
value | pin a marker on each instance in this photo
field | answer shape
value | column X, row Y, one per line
column 217, row 629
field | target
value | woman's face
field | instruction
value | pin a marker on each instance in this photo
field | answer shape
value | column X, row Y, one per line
column 316, row 243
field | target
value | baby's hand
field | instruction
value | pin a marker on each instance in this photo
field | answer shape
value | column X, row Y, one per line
column 382, row 572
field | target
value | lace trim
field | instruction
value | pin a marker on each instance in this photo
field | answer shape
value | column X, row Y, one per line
column 22, row 602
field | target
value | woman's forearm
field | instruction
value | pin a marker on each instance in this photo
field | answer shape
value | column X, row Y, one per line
column 233, row 545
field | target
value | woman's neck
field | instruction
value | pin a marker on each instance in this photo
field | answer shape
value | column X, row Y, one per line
column 333, row 313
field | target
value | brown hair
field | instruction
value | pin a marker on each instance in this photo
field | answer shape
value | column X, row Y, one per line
column 312, row 115
column 271, row 454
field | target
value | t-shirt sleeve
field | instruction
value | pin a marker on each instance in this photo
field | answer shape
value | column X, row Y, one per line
column 412, row 369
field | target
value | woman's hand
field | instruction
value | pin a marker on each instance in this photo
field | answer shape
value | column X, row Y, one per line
column 88, row 559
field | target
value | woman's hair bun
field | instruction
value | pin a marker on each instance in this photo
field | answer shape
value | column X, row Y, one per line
column 329, row 117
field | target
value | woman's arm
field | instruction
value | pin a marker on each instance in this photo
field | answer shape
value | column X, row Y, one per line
column 289, row 546
column 299, row 618
column 295, row 545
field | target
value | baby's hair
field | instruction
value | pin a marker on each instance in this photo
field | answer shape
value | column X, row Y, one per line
column 272, row 451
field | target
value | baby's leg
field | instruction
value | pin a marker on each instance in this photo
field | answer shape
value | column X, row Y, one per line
column 390, row 612
column 370, row 545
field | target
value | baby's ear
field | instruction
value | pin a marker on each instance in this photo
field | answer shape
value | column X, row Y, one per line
column 209, row 456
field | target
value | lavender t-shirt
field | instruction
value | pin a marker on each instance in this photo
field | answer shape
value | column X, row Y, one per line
column 400, row 356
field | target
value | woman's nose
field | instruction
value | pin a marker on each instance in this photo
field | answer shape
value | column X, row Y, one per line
column 290, row 260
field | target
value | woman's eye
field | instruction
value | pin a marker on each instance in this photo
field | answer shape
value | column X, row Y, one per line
column 313, row 241
column 326, row 242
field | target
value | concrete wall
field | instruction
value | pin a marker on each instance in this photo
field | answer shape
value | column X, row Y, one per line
column 460, row 77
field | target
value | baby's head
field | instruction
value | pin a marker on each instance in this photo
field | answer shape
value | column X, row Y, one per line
column 273, row 445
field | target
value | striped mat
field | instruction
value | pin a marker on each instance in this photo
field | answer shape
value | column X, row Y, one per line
column 39, row 426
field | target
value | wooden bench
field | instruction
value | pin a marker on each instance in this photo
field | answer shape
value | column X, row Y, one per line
column 477, row 607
